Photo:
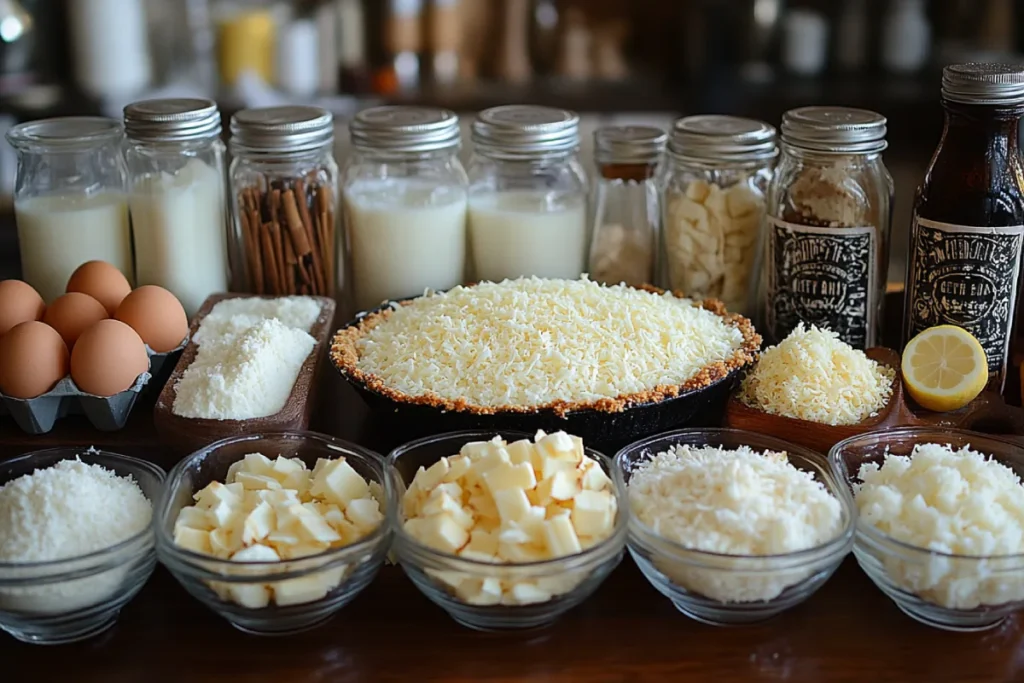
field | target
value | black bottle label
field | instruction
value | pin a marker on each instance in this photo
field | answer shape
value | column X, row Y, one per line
column 965, row 276
column 824, row 277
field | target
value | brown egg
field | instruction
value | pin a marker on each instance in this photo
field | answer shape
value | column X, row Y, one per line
column 108, row 358
column 33, row 358
column 72, row 314
column 156, row 315
column 101, row 281
column 19, row 303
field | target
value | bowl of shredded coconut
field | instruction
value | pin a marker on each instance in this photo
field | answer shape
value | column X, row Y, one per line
column 732, row 526
column 941, row 525
column 76, row 543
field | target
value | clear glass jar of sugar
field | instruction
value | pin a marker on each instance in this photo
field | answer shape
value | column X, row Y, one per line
column 284, row 194
column 177, row 197
column 70, row 200
column 404, row 192
column 527, row 194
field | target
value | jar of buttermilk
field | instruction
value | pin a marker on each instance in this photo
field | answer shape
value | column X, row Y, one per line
column 405, row 204
column 527, row 194
column 714, row 204
column 177, row 197
column 283, row 182
column 70, row 200
column 829, row 222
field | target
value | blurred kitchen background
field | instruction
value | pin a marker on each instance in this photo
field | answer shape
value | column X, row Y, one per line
column 613, row 61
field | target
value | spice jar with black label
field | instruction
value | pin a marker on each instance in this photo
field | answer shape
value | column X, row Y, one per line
column 965, row 239
column 829, row 220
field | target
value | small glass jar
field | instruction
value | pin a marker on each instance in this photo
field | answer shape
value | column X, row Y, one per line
column 177, row 197
column 70, row 200
column 714, row 206
column 625, row 205
column 527, row 194
column 405, row 204
column 284, row 194
column 829, row 220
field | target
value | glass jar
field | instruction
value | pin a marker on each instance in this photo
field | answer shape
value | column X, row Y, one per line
column 963, row 262
column 284, row 182
column 714, row 205
column 70, row 203
column 405, row 204
column 527, row 194
column 177, row 197
column 829, row 222
column 625, row 205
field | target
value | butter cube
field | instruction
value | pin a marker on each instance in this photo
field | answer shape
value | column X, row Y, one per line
column 593, row 513
column 506, row 476
column 512, row 504
column 256, row 553
column 484, row 542
column 474, row 450
column 257, row 463
column 215, row 493
column 458, row 466
column 452, row 488
column 251, row 595
column 194, row 518
column 255, row 482
column 520, row 451
column 528, row 593
column 280, row 538
column 517, row 552
column 283, row 468
column 426, row 479
column 300, row 590
column 258, row 523
column 559, row 446
column 223, row 514
column 224, row 541
column 548, row 466
column 489, row 594
column 484, row 507
column 594, row 477
column 302, row 549
column 333, row 515
column 318, row 466
column 561, row 537
column 278, row 497
column 376, row 491
column 196, row 540
column 564, row 485
column 338, row 483
column 312, row 527
column 233, row 471
column 495, row 455
column 440, row 532
column 514, row 535
column 364, row 513
column 445, row 504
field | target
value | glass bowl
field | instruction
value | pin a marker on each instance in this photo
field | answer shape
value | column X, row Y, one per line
column 720, row 589
column 223, row 584
column 570, row 580
column 67, row 600
column 951, row 592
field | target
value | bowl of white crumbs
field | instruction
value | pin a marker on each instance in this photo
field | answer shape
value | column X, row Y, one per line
column 275, row 532
column 505, row 531
column 76, row 541
column 941, row 525
column 732, row 526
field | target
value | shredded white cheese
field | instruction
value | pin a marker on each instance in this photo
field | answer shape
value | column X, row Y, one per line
column 61, row 512
column 958, row 502
column 232, row 317
column 532, row 342
column 243, row 377
column 812, row 375
column 733, row 502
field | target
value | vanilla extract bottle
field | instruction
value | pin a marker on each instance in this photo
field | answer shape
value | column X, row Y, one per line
column 964, row 256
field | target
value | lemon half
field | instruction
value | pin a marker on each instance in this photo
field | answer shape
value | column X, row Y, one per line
column 944, row 368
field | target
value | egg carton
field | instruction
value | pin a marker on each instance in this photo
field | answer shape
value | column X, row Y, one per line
column 105, row 413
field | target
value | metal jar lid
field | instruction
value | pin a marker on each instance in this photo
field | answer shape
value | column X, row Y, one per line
column 717, row 137
column 975, row 83
column 284, row 129
column 405, row 129
column 172, row 120
column 834, row 130
column 629, row 144
column 521, row 131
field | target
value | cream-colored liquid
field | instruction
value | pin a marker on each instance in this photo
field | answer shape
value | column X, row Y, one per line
column 58, row 233
column 406, row 236
column 524, row 233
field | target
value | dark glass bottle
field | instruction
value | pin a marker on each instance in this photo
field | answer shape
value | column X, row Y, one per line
column 965, row 239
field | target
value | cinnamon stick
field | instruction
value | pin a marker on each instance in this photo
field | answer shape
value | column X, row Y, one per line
column 269, row 257
column 252, row 254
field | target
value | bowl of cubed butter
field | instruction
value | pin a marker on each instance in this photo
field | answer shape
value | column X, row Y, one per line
column 275, row 532
column 505, row 531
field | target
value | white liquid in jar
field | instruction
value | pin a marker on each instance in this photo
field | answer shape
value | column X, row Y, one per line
column 178, row 223
column 406, row 236
column 523, row 233
column 58, row 233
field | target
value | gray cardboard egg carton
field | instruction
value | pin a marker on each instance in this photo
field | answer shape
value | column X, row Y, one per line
column 106, row 413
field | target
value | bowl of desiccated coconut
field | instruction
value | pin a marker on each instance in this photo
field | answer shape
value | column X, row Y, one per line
column 76, row 541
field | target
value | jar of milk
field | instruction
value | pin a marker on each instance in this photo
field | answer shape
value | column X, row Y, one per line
column 177, row 197
column 404, row 191
column 70, row 203
column 527, row 194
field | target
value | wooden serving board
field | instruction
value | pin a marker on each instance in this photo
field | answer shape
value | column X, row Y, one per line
column 987, row 413
column 182, row 435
